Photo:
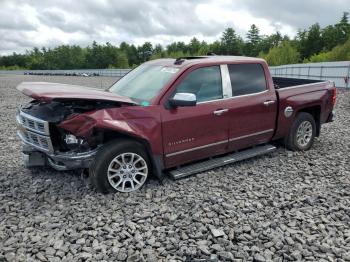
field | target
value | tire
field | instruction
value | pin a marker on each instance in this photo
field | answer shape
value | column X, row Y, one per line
column 120, row 166
column 302, row 133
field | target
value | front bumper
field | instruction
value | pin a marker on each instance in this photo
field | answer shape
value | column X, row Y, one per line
column 60, row 161
column 39, row 151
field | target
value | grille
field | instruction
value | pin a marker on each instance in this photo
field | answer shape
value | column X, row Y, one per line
column 34, row 132
column 37, row 140
column 34, row 124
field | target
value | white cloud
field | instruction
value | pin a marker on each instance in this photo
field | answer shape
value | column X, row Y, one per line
column 25, row 24
column 240, row 20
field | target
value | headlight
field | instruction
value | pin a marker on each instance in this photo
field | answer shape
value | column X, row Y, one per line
column 73, row 142
column 71, row 139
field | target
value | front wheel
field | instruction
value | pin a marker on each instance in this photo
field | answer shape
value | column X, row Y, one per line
column 302, row 134
column 121, row 165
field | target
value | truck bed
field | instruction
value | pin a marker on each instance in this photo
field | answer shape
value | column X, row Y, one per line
column 284, row 82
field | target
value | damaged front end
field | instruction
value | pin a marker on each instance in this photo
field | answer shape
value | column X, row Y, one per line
column 45, row 143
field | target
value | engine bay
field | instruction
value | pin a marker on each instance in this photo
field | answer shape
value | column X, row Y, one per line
column 57, row 111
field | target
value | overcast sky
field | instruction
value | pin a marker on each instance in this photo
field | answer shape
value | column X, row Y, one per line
column 25, row 24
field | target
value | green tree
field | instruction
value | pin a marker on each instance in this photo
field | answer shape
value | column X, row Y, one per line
column 329, row 37
column 231, row 44
column 131, row 52
column 310, row 41
column 251, row 47
column 176, row 46
column 35, row 59
column 268, row 41
column 338, row 53
column 283, row 54
column 122, row 61
column 334, row 35
column 64, row 57
column 204, row 49
column 158, row 52
column 145, row 51
column 177, row 54
column 194, row 46
column 343, row 28
column 253, row 35
column 94, row 56
column 158, row 49
column 215, row 48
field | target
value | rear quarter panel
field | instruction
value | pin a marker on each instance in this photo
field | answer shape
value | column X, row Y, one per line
column 301, row 98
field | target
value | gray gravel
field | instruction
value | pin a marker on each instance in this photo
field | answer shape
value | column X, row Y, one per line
column 282, row 207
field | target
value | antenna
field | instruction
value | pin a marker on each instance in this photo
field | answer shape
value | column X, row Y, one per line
column 179, row 61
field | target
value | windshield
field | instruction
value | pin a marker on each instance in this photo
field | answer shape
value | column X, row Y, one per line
column 144, row 82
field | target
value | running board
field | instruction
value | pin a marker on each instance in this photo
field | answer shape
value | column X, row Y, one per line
column 191, row 169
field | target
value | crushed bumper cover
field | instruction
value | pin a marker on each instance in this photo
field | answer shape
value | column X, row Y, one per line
column 59, row 161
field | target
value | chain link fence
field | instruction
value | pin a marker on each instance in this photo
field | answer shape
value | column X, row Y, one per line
column 338, row 72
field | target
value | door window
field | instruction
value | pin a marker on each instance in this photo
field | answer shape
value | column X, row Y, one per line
column 247, row 79
column 204, row 82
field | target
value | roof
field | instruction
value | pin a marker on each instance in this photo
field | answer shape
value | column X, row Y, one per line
column 187, row 61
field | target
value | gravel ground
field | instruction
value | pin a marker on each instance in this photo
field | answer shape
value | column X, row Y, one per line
column 282, row 207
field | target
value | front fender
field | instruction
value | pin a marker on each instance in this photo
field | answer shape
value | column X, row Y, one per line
column 136, row 121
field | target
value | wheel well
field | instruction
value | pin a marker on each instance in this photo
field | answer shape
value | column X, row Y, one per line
column 315, row 111
column 108, row 135
column 156, row 163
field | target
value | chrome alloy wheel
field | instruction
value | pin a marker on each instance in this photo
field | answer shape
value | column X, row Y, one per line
column 127, row 172
column 304, row 133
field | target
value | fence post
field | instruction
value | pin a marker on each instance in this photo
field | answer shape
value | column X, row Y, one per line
column 321, row 72
column 308, row 73
column 348, row 77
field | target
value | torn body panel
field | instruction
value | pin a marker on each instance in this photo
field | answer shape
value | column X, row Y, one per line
column 139, row 122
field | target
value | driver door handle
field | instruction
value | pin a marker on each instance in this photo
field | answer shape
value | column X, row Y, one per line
column 219, row 112
column 269, row 102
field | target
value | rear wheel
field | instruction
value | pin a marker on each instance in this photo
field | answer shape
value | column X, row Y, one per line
column 121, row 165
column 302, row 134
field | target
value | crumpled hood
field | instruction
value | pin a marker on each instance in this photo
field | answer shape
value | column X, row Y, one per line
column 46, row 91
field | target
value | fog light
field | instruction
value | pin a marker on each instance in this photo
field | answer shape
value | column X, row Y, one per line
column 71, row 139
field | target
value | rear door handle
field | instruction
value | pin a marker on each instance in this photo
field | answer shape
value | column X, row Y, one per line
column 269, row 102
column 219, row 112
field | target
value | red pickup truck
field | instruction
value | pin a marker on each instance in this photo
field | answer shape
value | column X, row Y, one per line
column 177, row 116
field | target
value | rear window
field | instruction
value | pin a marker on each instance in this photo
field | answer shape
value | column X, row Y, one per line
column 247, row 79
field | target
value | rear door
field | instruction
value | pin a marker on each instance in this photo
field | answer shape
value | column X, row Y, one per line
column 253, row 106
column 197, row 132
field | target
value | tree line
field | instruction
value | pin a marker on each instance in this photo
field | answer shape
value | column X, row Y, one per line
column 315, row 44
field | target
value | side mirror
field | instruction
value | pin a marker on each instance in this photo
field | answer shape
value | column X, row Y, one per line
column 183, row 99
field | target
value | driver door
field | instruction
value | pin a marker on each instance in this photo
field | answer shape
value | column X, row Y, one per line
column 196, row 132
